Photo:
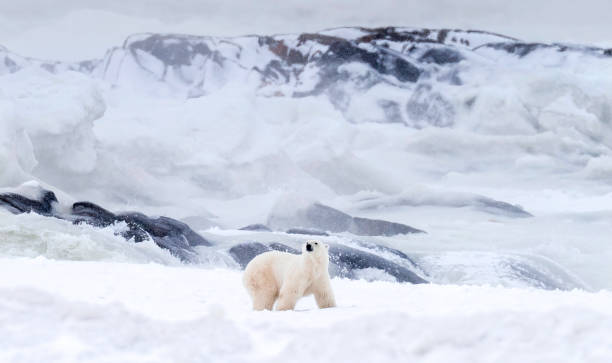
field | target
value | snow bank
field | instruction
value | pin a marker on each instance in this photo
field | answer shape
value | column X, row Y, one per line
column 71, row 311
column 47, row 125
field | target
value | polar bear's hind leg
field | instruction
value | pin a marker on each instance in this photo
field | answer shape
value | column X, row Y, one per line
column 264, row 300
column 262, row 287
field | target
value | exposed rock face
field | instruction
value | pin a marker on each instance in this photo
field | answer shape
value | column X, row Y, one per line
column 245, row 252
column 340, row 64
column 166, row 232
column 349, row 261
column 19, row 204
column 324, row 218
column 256, row 227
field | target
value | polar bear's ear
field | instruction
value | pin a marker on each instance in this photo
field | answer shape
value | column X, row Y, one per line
column 327, row 246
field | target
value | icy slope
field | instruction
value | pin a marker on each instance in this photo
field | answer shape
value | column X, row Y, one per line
column 100, row 312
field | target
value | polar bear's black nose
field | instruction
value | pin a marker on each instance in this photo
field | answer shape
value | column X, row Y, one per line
column 308, row 247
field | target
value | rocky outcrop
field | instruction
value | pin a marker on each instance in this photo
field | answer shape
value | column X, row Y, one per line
column 319, row 217
column 19, row 204
column 168, row 233
column 339, row 64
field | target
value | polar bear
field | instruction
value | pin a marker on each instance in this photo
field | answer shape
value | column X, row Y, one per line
column 287, row 277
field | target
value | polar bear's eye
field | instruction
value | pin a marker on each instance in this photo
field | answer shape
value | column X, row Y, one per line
column 316, row 243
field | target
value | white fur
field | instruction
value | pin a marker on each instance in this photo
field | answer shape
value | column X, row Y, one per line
column 286, row 277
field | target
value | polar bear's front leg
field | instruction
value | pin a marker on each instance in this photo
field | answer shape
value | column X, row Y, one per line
column 324, row 295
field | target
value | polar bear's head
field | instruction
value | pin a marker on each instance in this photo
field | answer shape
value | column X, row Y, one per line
column 316, row 250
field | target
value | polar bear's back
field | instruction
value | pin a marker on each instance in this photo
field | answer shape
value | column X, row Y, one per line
column 269, row 269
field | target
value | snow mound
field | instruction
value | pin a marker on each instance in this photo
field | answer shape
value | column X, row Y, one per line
column 70, row 311
column 79, row 332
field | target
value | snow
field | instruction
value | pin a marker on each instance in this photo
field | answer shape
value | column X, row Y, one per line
column 47, row 122
column 213, row 146
column 108, row 311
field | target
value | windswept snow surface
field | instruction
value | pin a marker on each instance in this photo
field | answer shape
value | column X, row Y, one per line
column 108, row 312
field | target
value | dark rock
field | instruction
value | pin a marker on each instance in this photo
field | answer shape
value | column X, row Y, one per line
column 328, row 218
column 275, row 71
column 20, row 204
column 256, row 227
column 347, row 260
column 396, row 35
column 318, row 217
column 523, row 49
column 343, row 51
column 245, row 252
column 170, row 49
column 441, row 56
column 166, row 232
column 312, row 232
column 278, row 47
column 283, row 248
column 93, row 214
column 375, row 227
column 442, row 34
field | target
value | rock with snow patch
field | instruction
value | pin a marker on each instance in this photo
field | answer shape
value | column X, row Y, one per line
column 166, row 232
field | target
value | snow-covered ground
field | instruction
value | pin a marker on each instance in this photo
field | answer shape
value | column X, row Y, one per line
column 125, row 312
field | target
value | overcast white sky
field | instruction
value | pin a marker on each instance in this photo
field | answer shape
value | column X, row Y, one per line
column 77, row 29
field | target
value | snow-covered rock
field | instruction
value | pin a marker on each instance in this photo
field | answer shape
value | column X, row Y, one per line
column 394, row 74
